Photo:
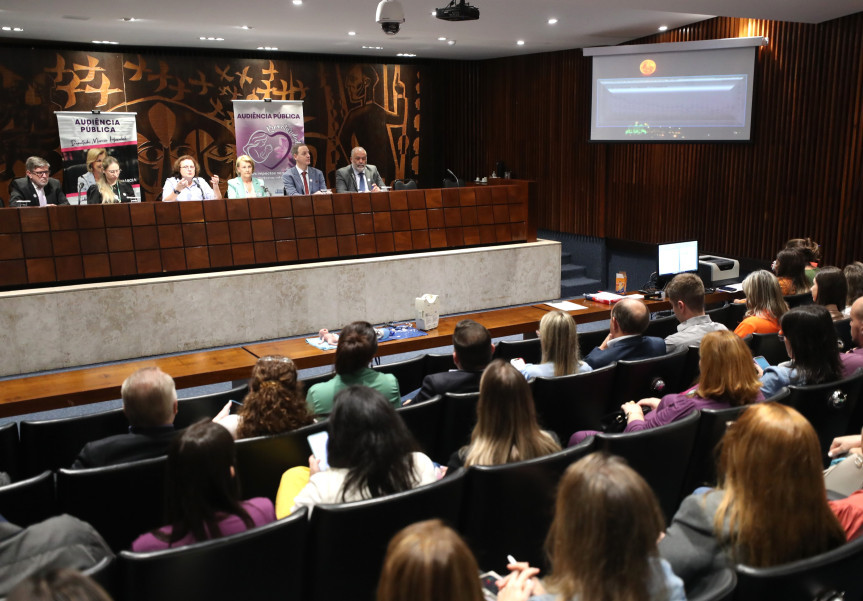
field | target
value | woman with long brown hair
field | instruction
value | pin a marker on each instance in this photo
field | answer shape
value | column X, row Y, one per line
column 274, row 403
column 428, row 561
column 770, row 507
column 506, row 429
column 602, row 542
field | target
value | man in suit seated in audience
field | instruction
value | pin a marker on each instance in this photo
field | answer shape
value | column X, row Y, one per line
column 686, row 294
column 853, row 360
column 625, row 340
column 150, row 405
column 38, row 188
column 473, row 352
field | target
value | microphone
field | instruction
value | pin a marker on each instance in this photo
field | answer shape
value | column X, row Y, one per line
column 455, row 177
column 266, row 190
column 80, row 190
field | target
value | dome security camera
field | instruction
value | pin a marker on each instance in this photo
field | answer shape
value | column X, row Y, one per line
column 390, row 15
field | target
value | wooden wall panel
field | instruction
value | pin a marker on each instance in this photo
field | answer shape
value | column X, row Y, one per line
column 800, row 176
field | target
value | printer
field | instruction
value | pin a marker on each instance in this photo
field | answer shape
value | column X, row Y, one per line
column 716, row 271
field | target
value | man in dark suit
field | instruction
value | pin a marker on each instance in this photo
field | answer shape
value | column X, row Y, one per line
column 150, row 404
column 38, row 189
column 358, row 176
column 473, row 352
column 629, row 319
column 302, row 178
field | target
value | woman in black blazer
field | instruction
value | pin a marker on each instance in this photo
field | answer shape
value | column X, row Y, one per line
column 109, row 189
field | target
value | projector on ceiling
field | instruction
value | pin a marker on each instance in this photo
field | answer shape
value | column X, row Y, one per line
column 458, row 11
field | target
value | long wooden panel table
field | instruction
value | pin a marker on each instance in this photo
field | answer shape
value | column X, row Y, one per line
column 96, row 384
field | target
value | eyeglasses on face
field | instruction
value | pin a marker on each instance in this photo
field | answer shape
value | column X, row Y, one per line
column 42, row 173
column 113, row 171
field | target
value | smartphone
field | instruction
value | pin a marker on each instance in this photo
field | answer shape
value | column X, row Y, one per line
column 762, row 362
column 489, row 584
column 318, row 443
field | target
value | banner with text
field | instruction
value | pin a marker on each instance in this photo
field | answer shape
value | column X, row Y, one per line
column 267, row 131
column 80, row 132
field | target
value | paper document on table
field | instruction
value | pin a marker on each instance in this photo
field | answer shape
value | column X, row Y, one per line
column 566, row 306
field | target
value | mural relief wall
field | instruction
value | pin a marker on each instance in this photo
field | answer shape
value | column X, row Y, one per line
column 184, row 106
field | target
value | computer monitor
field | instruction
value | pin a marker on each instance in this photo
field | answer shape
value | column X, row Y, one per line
column 674, row 258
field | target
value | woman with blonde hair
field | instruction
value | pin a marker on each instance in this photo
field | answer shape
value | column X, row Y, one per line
column 602, row 542
column 428, row 561
column 109, row 189
column 274, row 404
column 764, row 304
column 559, row 339
column 770, row 507
column 95, row 156
column 506, row 429
column 244, row 185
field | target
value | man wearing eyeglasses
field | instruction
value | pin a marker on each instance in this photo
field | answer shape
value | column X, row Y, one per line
column 38, row 189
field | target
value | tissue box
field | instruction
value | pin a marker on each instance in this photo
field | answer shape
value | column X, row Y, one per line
column 427, row 311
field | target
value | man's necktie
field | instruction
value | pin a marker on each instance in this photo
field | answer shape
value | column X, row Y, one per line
column 305, row 182
column 362, row 182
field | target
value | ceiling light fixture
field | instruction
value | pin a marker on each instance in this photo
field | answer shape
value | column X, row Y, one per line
column 246, row 27
column 520, row 42
column 7, row 28
column 552, row 21
column 441, row 39
column 211, row 39
column 297, row 2
column 451, row 42
column 105, row 42
column 352, row 33
column 130, row 19
column 267, row 48
column 407, row 54
column 663, row 27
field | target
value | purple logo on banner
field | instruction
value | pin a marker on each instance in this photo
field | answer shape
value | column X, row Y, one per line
column 267, row 131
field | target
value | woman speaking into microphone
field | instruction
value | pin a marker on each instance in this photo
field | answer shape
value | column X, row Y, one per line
column 186, row 185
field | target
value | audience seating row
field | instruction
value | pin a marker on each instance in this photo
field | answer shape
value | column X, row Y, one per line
column 500, row 510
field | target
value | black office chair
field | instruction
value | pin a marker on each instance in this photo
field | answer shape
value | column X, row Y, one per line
column 829, row 407
column 261, row 461
column 768, row 346
column 711, row 428
column 660, row 455
column 407, row 184
column 457, row 422
column 409, row 373
column 494, row 494
column 348, row 541
column 587, row 341
column 424, row 421
column 566, row 404
column 643, row 378
column 691, row 368
column 121, row 501
column 843, row 332
column 437, row 363
column 718, row 586
column 530, row 350
column 736, row 314
column 9, row 450
column 798, row 300
column 311, row 381
column 52, row 444
column 722, row 314
column 662, row 327
column 193, row 409
column 266, row 563
column 830, row 576
column 28, row 501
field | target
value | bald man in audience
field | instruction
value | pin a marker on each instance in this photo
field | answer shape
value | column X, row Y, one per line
column 150, row 405
column 853, row 359
column 626, row 340
column 686, row 294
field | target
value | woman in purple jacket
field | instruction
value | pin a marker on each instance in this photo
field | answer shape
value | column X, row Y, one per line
column 202, row 492
column 729, row 378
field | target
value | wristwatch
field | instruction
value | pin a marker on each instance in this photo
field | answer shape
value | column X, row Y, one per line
column 176, row 191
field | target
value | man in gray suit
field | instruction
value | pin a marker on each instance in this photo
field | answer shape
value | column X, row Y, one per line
column 358, row 177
